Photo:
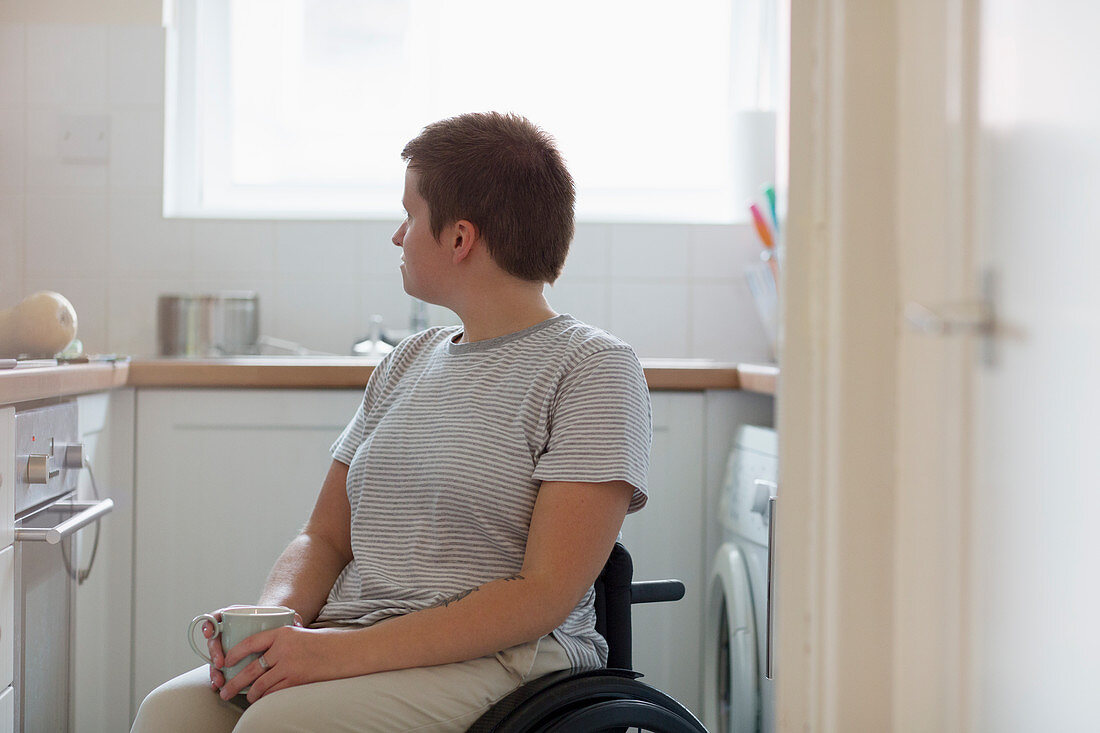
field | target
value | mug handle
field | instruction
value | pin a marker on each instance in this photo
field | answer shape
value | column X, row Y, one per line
column 191, row 633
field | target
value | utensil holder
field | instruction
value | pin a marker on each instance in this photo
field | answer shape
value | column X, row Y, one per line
column 765, row 296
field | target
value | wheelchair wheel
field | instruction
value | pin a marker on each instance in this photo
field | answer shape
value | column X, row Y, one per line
column 543, row 709
column 617, row 715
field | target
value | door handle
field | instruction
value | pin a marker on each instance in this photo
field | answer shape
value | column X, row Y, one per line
column 89, row 512
column 971, row 318
column 964, row 318
column 764, row 491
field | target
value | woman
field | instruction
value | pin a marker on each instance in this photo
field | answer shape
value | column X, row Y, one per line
column 477, row 492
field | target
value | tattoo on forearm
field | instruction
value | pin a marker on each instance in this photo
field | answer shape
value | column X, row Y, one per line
column 455, row 598
column 459, row 596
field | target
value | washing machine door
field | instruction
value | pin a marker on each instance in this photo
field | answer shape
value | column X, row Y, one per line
column 731, row 698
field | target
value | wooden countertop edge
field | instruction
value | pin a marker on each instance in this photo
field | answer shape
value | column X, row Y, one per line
column 320, row 373
column 316, row 374
column 43, row 383
column 763, row 378
column 36, row 383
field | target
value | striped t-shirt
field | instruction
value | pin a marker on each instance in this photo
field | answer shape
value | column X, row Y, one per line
column 449, row 448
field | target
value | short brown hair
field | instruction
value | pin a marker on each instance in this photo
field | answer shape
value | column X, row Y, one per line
column 504, row 174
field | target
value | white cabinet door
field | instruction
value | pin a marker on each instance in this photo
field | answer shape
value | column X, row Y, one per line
column 225, row 480
column 665, row 541
column 676, row 535
column 102, row 618
column 7, row 615
column 7, row 476
column 7, row 711
column 7, row 555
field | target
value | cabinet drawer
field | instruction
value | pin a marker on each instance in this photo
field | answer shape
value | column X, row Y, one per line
column 7, row 710
column 7, row 476
column 7, row 616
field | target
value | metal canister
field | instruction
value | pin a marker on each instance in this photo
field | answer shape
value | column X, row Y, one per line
column 208, row 325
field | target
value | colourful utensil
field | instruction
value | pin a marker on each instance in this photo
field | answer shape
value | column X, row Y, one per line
column 769, row 192
column 762, row 227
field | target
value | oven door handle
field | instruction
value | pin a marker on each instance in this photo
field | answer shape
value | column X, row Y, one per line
column 89, row 512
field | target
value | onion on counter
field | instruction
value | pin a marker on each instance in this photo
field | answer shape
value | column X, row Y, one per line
column 41, row 325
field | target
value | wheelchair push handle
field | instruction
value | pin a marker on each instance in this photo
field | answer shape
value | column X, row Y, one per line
column 655, row 591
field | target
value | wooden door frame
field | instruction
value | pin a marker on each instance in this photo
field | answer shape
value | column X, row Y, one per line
column 871, row 558
column 836, row 408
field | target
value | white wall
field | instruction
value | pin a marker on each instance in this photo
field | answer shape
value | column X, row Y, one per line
column 94, row 231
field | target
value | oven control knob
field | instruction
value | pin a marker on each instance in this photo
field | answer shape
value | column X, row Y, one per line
column 72, row 455
column 38, row 469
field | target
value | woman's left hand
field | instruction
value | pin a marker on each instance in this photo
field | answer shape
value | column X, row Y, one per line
column 293, row 656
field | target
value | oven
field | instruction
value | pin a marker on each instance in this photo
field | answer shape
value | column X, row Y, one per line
column 48, row 461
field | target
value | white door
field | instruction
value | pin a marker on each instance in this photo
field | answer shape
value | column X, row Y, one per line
column 1034, row 636
column 995, row 627
column 937, row 536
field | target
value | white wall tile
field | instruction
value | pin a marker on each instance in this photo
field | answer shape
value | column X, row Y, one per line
column 384, row 295
column 379, row 255
column 12, row 64
column 10, row 292
column 724, row 323
column 66, row 235
column 440, row 316
column 144, row 12
column 649, row 250
column 587, row 299
column 590, row 252
column 722, row 251
column 135, row 65
column 11, row 250
column 313, row 248
column 67, row 67
column 137, row 149
column 652, row 317
column 89, row 299
column 132, row 311
column 12, row 150
column 234, row 248
column 11, row 226
column 317, row 314
column 143, row 241
column 46, row 172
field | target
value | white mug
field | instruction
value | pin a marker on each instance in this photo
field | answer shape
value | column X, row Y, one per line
column 237, row 624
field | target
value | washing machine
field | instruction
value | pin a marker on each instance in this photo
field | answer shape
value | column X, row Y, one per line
column 738, row 696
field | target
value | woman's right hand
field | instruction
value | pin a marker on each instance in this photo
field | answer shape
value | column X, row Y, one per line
column 214, row 648
column 214, row 645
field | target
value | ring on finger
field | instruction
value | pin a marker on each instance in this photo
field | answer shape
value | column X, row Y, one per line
column 264, row 665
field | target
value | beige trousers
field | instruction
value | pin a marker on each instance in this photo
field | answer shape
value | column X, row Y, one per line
column 447, row 697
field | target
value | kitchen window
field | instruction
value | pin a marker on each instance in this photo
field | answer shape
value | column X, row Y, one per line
column 300, row 108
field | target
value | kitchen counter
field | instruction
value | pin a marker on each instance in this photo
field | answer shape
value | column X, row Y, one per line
column 24, row 384
column 332, row 372
column 312, row 372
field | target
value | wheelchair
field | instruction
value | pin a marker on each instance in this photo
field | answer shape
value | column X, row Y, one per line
column 610, row 699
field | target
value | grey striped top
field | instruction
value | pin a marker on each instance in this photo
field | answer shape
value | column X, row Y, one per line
column 449, row 448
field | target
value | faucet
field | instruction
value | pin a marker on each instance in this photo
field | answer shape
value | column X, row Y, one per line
column 418, row 317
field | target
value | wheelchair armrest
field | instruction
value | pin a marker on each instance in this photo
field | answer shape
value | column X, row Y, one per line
column 653, row 591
